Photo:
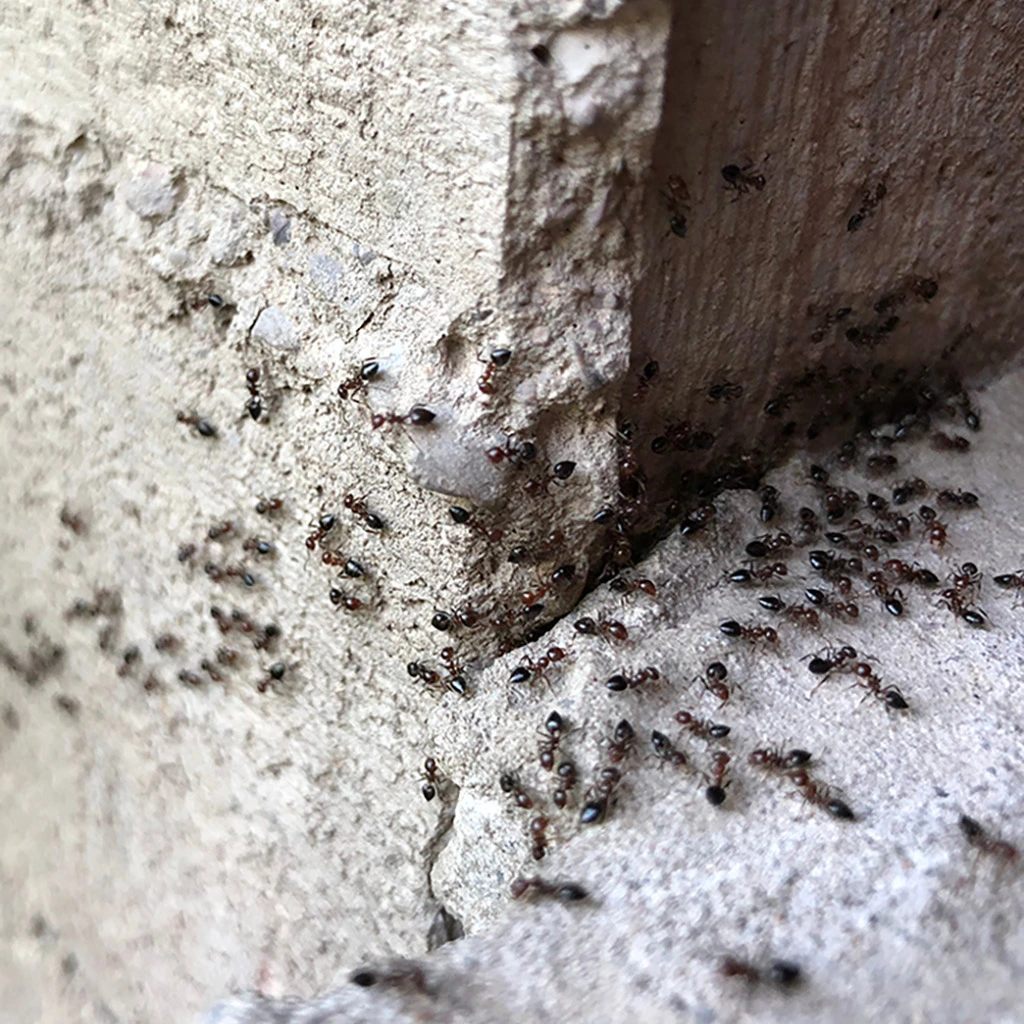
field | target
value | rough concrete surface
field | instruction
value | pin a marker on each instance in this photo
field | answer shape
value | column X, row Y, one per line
column 191, row 807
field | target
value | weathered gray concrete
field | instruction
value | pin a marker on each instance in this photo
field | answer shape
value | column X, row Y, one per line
column 416, row 186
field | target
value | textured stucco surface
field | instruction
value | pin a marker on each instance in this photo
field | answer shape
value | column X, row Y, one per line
column 419, row 185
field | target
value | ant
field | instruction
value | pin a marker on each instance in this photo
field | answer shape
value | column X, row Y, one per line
column 934, row 530
column 829, row 604
column 166, row 643
column 768, row 544
column 961, row 606
column 697, row 520
column 226, row 656
column 322, row 526
column 595, row 807
column 538, row 832
column 499, row 357
column 203, row 427
column 626, row 587
column 770, row 503
column 342, row 600
column 977, row 837
column 510, row 784
column 646, row 378
column 399, row 973
column 1010, row 580
column 677, row 202
column 359, row 380
column 701, row 727
column 620, row 745
column 950, row 442
column 783, row 973
column 553, row 728
column 610, row 629
column 838, row 502
column 714, row 681
column 630, row 681
column 559, row 471
column 417, row 416
column 718, row 780
column 809, row 525
column 358, row 507
column 464, row 517
column 762, row 574
column 452, row 667
column 268, row 506
column 888, row 695
column 909, row 489
column 726, row 391
column 800, row 615
column 564, row 892
column 739, row 180
column 778, row 760
column 275, row 674
column 752, row 634
column 221, row 530
column 879, row 465
column 74, row 522
column 258, row 546
column 530, row 668
column 186, row 551
column 820, row 795
column 957, row 499
column 869, row 200
column 561, row 577
column 906, row 573
column 566, row 781
column 431, row 779
column 891, row 597
column 515, row 453
column 427, row 676
column 218, row 573
column 778, row 405
column 255, row 404
column 665, row 751
column 828, row 659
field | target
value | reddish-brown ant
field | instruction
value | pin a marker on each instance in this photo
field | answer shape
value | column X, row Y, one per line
column 891, row 597
column 74, row 522
column 740, row 180
column 761, row 573
column 677, row 203
column 631, row 680
column 783, row 973
column 202, row 426
column 167, row 643
column 1011, row 581
column 625, row 587
column 829, row 659
column 977, row 837
column 398, row 974
column 349, row 566
column 828, row 320
column 561, row 577
column 598, row 797
column 566, row 772
column 227, row 656
column 499, row 357
column 820, row 795
column 358, row 507
column 219, row 573
column 909, row 489
column 645, row 379
column 342, row 600
column 718, row 778
column 322, row 526
column 417, row 416
column 464, row 517
column 221, row 530
column 254, row 406
column 769, row 544
column 510, row 784
column 906, row 573
column 957, row 499
column 777, row 759
column 530, row 668
column 620, row 745
column 268, row 506
column 665, row 750
column 714, row 681
column 833, row 607
column 563, row 892
column 359, row 380
column 258, row 546
column 552, row 736
column 870, row 198
column 431, row 779
column 559, row 471
column 950, row 442
column 515, row 452
column 701, row 727
column 610, row 629
column 275, row 674
column 752, row 634
column 539, row 835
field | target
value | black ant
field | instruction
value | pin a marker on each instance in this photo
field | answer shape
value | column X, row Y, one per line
column 358, row 507
column 620, row 745
column 830, row 319
column 499, row 357
column 770, row 504
column 631, row 680
column 950, row 442
column 417, row 416
column 739, row 180
column 714, row 681
column 398, row 974
column 539, row 835
column 697, row 520
column 666, row 751
column 202, row 426
column 869, row 200
column 431, row 779
column 879, row 465
column 718, row 780
column 453, row 669
column 563, row 892
column 908, row 490
column 957, row 499
column 359, row 380
column 255, row 404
